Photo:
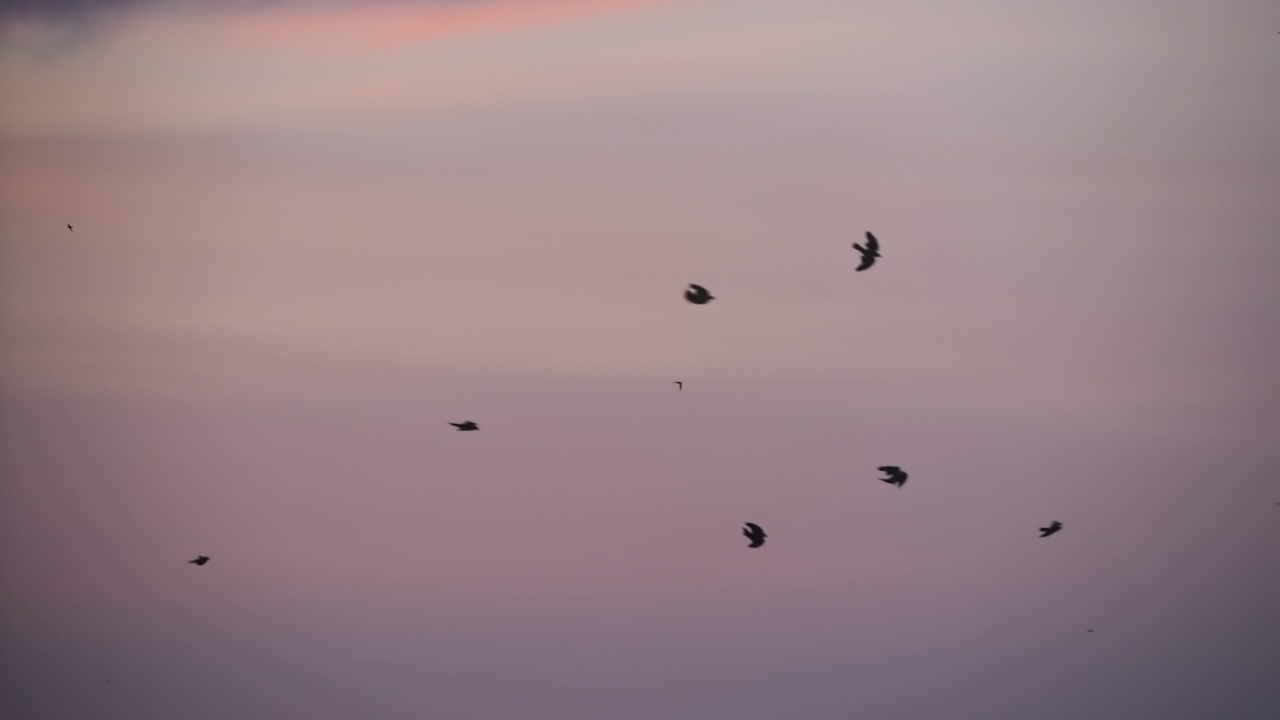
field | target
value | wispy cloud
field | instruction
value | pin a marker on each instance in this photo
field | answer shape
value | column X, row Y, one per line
column 367, row 23
column 382, row 26
column 61, row 10
column 77, row 65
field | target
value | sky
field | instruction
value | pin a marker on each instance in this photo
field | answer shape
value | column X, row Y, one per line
column 309, row 235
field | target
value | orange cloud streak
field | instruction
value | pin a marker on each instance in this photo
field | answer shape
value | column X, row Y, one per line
column 390, row 27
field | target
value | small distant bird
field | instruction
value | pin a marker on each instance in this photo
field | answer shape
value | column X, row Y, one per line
column 755, row 534
column 200, row 560
column 464, row 426
column 679, row 385
column 1053, row 527
column 1090, row 629
column 70, row 228
column 697, row 295
column 895, row 475
column 869, row 253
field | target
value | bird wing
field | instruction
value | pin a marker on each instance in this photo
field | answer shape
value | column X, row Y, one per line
column 867, row 261
column 872, row 243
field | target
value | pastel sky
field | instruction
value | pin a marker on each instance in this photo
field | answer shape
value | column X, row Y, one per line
column 308, row 235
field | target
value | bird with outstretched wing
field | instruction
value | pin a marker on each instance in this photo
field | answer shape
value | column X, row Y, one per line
column 895, row 475
column 869, row 253
column 1052, row 528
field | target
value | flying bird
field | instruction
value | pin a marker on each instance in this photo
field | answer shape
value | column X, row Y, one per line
column 464, row 426
column 869, row 253
column 200, row 560
column 679, row 385
column 1053, row 527
column 755, row 534
column 895, row 475
column 697, row 295
column 1090, row 629
column 70, row 228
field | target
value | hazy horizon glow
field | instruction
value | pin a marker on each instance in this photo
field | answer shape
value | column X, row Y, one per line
column 308, row 236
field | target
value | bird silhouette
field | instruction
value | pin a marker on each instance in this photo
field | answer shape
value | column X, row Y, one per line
column 869, row 253
column 466, row 425
column 200, row 560
column 1090, row 629
column 697, row 295
column 755, row 534
column 895, row 475
column 679, row 385
column 1053, row 527
column 70, row 228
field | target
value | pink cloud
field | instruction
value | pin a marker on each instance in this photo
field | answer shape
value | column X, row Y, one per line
column 394, row 26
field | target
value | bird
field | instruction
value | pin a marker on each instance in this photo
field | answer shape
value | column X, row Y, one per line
column 1053, row 527
column 697, row 295
column 200, row 560
column 466, row 425
column 755, row 534
column 70, row 228
column 1090, row 629
column 869, row 253
column 896, row 476
column 679, row 385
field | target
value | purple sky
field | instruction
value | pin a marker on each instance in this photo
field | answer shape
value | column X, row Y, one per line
column 308, row 238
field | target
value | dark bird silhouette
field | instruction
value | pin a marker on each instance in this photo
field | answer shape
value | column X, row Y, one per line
column 200, row 560
column 679, row 385
column 464, row 426
column 1090, row 629
column 755, row 534
column 895, row 475
column 697, row 295
column 869, row 253
column 70, row 228
column 1053, row 527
